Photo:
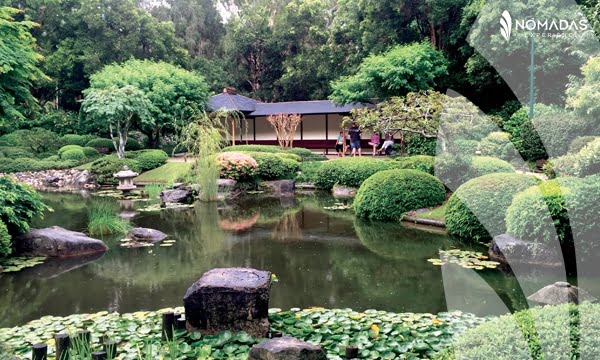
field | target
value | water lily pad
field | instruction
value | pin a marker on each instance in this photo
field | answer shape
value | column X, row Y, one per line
column 464, row 258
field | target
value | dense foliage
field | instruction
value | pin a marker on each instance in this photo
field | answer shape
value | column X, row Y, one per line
column 498, row 145
column 484, row 165
column 587, row 161
column 349, row 171
column 19, row 204
column 561, row 332
column 423, row 163
column 274, row 166
column 388, row 195
column 104, row 168
column 477, row 209
column 237, row 166
column 5, row 241
column 561, row 209
column 149, row 159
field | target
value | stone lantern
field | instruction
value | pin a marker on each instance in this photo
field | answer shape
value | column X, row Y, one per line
column 125, row 178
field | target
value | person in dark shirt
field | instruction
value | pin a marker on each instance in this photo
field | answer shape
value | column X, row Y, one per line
column 355, row 139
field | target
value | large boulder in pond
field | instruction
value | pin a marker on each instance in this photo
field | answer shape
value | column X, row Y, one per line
column 146, row 235
column 508, row 250
column 57, row 242
column 279, row 187
column 235, row 299
column 286, row 348
column 177, row 196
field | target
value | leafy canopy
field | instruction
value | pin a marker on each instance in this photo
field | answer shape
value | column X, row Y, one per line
column 404, row 69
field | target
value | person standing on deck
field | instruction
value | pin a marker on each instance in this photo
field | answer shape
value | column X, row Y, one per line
column 355, row 140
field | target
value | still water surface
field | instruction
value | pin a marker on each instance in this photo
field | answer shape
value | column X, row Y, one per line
column 321, row 258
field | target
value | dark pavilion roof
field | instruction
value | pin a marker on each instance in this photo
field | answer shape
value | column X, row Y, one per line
column 230, row 100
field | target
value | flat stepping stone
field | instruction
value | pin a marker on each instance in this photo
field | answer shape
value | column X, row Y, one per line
column 234, row 299
column 286, row 348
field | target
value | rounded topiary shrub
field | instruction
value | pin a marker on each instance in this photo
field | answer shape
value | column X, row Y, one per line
column 566, row 208
column 484, row 165
column 423, row 163
column 587, row 161
column 237, row 166
column 90, row 152
column 273, row 166
column 5, row 240
column 479, row 205
column 14, row 152
column 551, row 332
column 351, row 172
column 100, row 143
column 73, row 155
column 498, row 145
column 253, row 148
column 579, row 143
column 388, row 195
column 104, row 168
column 65, row 148
column 133, row 145
column 151, row 159
column 72, row 139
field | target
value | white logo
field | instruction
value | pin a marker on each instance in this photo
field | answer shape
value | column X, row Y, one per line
column 506, row 23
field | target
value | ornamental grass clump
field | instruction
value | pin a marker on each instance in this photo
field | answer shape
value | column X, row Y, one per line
column 388, row 195
column 104, row 220
column 237, row 166
column 477, row 209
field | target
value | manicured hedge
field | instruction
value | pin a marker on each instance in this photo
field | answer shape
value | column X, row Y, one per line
column 498, row 145
column 149, row 159
column 104, row 168
column 480, row 205
column 27, row 164
column 579, row 143
column 388, row 195
column 423, row 163
column 253, row 148
column 90, row 152
column 587, row 161
column 14, row 152
column 309, row 171
column 551, row 332
column 72, row 139
column 484, row 165
column 100, row 143
column 349, row 171
column 273, row 166
column 74, row 155
column 453, row 170
column 237, row 166
column 565, row 207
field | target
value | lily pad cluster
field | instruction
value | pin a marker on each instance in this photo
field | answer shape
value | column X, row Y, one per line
column 117, row 194
column 159, row 207
column 464, row 258
column 378, row 334
column 338, row 207
column 15, row 264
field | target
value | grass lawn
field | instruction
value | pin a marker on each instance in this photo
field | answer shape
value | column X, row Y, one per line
column 166, row 174
column 433, row 214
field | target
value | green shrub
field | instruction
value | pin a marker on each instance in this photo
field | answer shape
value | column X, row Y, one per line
column 72, row 139
column 101, row 143
column 19, row 205
column 14, row 152
column 133, row 145
column 484, row 165
column 290, row 156
column 388, row 195
column 309, row 171
column 579, row 143
column 27, row 164
column 349, row 171
column 104, row 168
column 52, row 158
column 306, row 155
column 90, row 152
column 420, row 145
column 479, row 205
column 272, row 166
column 453, row 170
column 151, row 159
column 67, row 148
column 514, row 123
column 587, row 161
column 37, row 139
column 237, row 166
column 465, row 146
column 565, row 207
column 5, row 241
column 253, row 148
column 551, row 332
column 498, row 145
column 103, row 219
column 74, row 155
column 423, row 163
column 561, row 166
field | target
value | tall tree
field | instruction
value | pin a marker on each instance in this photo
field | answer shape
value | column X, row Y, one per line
column 116, row 109
column 175, row 94
column 18, row 68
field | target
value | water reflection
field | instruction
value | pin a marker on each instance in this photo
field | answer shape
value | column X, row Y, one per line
column 321, row 258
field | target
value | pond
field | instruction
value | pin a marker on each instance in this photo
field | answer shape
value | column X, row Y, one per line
column 321, row 258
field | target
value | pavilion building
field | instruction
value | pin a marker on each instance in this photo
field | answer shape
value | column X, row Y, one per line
column 319, row 129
